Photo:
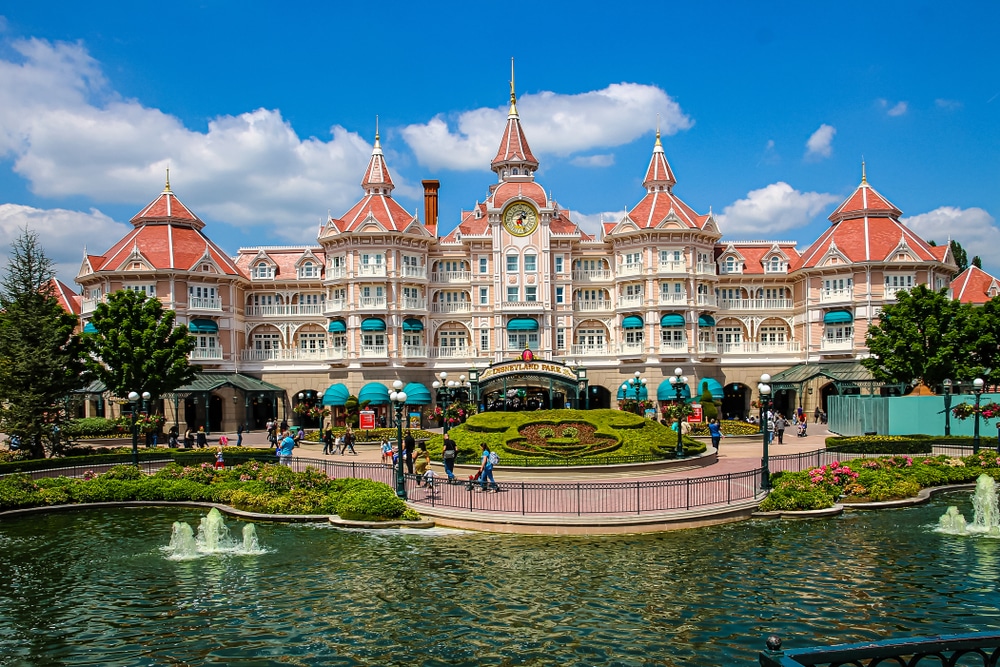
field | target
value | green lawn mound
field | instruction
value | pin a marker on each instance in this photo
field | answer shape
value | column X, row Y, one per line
column 573, row 437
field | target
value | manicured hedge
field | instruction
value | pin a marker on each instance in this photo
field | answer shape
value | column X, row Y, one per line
column 254, row 487
column 124, row 455
column 369, row 435
column 901, row 444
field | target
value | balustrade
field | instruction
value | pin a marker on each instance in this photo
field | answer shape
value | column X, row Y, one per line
column 591, row 275
column 204, row 303
column 757, row 305
column 585, row 305
column 451, row 276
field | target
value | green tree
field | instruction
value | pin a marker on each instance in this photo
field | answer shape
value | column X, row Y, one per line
column 137, row 347
column 41, row 356
column 924, row 336
column 708, row 409
column 977, row 262
column 960, row 256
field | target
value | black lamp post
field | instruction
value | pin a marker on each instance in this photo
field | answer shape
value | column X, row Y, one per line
column 977, row 389
column 133, row 397
column 947, row 406
column 448, row 389
column 678, row 382
column 398, row 398
column 765, row 403
column 638, row 383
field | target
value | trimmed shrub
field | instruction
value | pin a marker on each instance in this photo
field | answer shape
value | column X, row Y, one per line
column 372, row 501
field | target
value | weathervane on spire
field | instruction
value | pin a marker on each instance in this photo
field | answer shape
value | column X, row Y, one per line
column 513, row 96
column 864, row 177
column 167, row 186
column 658, row 130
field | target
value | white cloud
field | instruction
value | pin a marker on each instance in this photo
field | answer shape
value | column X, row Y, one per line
column 63, row 234
column 606, row 160
column 554, row 124
column 950, row 105
column 897, row 109
column 974, row 228
column 820, row 144
column 591, row 222
column 771, row 209
column 69, row 135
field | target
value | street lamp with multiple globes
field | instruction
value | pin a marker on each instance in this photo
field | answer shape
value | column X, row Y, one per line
column 133, row 397
column 678, row 382
column 765, row 403
column 398, row 398
column 449, row 390
column 947, row 406
column 977, row 389
column 637, row 383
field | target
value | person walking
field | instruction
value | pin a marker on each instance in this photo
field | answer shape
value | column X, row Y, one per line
column 486, row 469
column 202, row 438
column 409, row 444
column 780, row 424
column 348, row 442
column 328, row 441
column 449, row 454
column 285, row 449
column 219, row 462
column 239, row 435
column 816, row 415
column 386, row 450
column 715, row 431
column 423, row 459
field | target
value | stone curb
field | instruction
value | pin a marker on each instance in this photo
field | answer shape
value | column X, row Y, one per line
column 922, row 497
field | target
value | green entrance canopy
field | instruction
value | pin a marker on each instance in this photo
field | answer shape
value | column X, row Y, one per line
column 838, row 317
column 412, row 324
column 336, row 395
column 706, row 321
column 417, row 394
column 203, row 327
column 672, row 320
column 375, row 393
column 337, row 326
column 630, row 393
column 522, row 324
column 373, row 324
column 632, row 322
column 714, row 388
column 666, row 392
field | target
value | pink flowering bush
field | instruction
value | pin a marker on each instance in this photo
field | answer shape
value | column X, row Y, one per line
column 834, row 475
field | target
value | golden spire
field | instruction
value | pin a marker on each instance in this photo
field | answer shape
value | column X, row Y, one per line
column 513, row 97
column 166, row 188
column 864, row 177
column 376, row 127
column 658, row 130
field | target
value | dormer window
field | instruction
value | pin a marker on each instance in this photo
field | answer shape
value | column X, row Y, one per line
column 136, row 266
column 206, row 268
column 308, row 269
column 262, row 271
column 774, row 265
column 731, row 265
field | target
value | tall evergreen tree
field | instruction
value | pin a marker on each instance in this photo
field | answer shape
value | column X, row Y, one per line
column 137, row 347
column 961, row 257
column 41, row 356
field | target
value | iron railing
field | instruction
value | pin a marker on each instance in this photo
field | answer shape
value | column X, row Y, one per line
column 978, row 648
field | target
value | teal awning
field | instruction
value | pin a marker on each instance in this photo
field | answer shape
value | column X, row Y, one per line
column 522, row 324
column 672, row 320
column 336, row 395
column 714, row 388
column 375, row 393
column 666, row 392
column 337, row 326
column 203, row 327
column 373, row 324
column 632, row 322
column 838, row 317
column 417, row 394
column 630, row 394
column 412, row 324
column 89, row 328
column 706, row 321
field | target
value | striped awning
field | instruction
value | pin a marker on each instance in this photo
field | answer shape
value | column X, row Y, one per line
column 203, row 326
column 337, row 326
column 838, row 317
column 522, row 324
column 412, row 324
column 373, row 324
column 632, row 322
column 336, row 394
column 672, row 320
column 706, row 321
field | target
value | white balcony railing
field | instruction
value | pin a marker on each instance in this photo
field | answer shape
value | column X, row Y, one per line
column 521, row 305
column 593, row 350
column 631, row 349
column 630, row 269
column 673, row 267
column 289, row 354
column 206, row 354
column 757, row 347
column 414, row 351
column 673, row 298
column 830, row 295
column 334, row 353
column 414, row 303
column 836, row 345
column 591, row 275
column 335, row 306
column 414, row 271
column 451, row 276
column 374, row 351
column 755, row 304
column 89, row 305
column 372, row 302
column 706, row 299
column 371, row 270
column 281, row 310
column 634, row 301
column 673, row 349
column 705, row 268
column 204, row 303
column 336, row 272
column 452, row 352
column 452, row 307
column 706, row 348
column 585, row 305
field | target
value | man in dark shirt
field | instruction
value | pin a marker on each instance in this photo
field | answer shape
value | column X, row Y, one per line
column 409, row 445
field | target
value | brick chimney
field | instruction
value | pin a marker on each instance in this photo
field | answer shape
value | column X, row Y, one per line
column 430, row 202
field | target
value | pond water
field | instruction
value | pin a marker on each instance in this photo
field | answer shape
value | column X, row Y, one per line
column 96, row 587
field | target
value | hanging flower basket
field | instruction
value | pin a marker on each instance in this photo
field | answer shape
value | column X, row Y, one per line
column 987, row 411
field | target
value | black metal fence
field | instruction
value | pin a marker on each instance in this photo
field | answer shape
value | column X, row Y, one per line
column 979, row 648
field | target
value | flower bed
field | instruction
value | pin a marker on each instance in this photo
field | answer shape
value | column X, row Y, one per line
column 253, row 486
column 874, row 480
column 567, row 439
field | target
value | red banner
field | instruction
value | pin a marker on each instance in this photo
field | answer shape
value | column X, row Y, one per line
column 695, row 415
column 367, row 419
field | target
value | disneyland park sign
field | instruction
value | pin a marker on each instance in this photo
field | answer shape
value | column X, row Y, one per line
column 514, row 367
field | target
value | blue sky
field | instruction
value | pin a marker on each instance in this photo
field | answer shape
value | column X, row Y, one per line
column 265, row 112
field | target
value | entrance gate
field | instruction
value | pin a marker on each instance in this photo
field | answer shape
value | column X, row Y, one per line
column 531, row 385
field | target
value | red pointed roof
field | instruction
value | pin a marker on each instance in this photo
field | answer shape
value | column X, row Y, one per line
column 514, row 149
column 865, row 200
column 377, row 176
column 377, row 204
column 167, row 207
column 658, row 174
column 66, row 296
column 974, row 286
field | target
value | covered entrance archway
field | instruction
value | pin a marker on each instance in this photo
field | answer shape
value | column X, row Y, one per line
column 531, row 385
column 735, row 401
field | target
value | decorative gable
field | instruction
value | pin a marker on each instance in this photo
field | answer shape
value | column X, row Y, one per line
column 901, row 253
column 730, row 261
column 775, row 260
column 833, row 257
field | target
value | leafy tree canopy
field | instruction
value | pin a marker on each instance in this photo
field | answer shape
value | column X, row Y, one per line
column 137, row 347
column 41, row 356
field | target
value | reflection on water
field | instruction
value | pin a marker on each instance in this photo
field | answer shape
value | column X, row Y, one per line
column 95, row 587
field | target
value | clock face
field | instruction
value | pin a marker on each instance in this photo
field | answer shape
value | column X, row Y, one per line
column 520, row 219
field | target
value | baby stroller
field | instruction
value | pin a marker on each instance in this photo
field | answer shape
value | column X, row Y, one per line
column 802, row 429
